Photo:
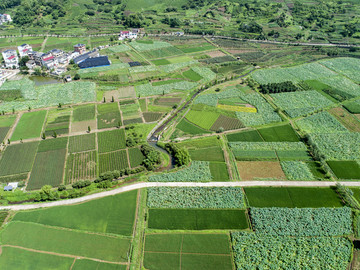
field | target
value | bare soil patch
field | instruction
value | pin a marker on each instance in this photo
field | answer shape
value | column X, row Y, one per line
column 215, row 54
column 260, row 170
column 82, row 126
column 350, row 122
column 126, row 92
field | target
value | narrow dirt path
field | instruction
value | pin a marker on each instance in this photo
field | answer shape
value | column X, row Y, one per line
column 43, row 44
column 180, row 184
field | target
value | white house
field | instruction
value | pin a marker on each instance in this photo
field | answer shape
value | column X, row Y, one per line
column 4, row 18
column 24, row 50
column 10, row 58
column 132, row 34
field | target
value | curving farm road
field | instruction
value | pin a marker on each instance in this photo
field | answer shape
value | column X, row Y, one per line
column 178, row 184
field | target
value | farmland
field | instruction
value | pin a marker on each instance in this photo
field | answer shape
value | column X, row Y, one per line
column 219, row 112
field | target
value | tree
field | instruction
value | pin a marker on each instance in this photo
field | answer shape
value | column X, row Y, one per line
column 112, row 99
column 61, row 188
column 104, row 100
column 59, row 106
column 43, row 136
column 37, row 71
column 54, row 135
column 77, row 77
column 23, row 61
column 89, row 129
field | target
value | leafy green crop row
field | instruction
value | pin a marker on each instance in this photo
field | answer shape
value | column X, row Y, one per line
column 322, row 122
column 279, row 146
column 197, row 172
column 255, row 251
column 337, row 146
column 296, row 170
column 149, row 90
column 195, row 197
column 302, row 221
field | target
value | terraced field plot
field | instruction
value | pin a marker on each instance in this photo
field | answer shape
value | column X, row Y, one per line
column 203, row 119
column 81, row 166
column 113, row 214
column 203, row 251
column 345, row 169
column 57, row 122
column 136, row 157
column 82, row 143
column 39, row 237
column 189, row 128
column 197, row 219
column 260, row 170
column 84, row 113
column 111, row 140
column 18, row 158
column 284, row 133
column 108, row 115
column 292, row 197
column 111, row 161
column 21, row 259
column 48, row 169
column 29, row 126
column 208, row 154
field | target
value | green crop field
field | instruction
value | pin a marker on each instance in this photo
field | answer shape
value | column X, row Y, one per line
column 208, row 154
column 81, row 166
column 18, row 158
column 53, row 144
column 345, row 169
column 111, row 140
column 194, row 219
column 245, row 136
column 20, row 259
column 83, row 113
column 40, row 237
column 108, row 115
column 82, row 143
column 113, row 214
column 219, row 171
column 7, row 120
column 202, row 119
column 136, row 157
column 48, row 169
column 113, row 161
column 82, row 264
column 189, row 128
column 192, row 75
column 292, row 197
column 284, row 133
column 203, row 251
column 200, row 143
column 29, row 126
column 57, row 122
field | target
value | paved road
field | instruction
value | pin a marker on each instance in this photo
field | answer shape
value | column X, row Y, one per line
column 178, row 184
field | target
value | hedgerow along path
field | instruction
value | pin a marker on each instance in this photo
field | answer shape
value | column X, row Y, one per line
column 180, row 184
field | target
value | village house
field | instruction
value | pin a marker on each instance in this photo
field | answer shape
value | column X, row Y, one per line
column 24, row 50
column 80, row 48
column 36, row 57
column 49, row 61
column 4, row 18
column 11, row 58
column 83, row 57
column 132, row 34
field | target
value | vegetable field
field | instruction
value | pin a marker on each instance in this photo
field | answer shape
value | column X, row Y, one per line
column 194, row 219
column 18, row 158
column 81, row 166
column 48, row 169
column 302, row 221
column 82, row 143
column 113, row 161
column 311, row 253
column 196, row 197
column 198, row 171
column 111, row 140
column 29, row 126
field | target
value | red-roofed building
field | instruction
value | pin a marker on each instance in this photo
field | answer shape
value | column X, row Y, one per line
column 133, row 34
column 10, row 58
column 24, row 50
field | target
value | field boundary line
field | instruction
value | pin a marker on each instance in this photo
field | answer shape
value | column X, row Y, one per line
column 62, row 255
column 188, row 253
column 71, row 267
column 141, row 185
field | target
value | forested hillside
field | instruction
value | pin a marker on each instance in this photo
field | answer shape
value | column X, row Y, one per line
column 296, row 20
